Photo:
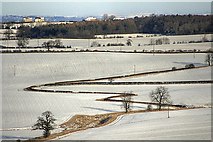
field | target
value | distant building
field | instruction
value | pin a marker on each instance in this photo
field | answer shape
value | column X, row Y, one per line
column 27, row 19
column 39, row 19
column 59, row 23
column 119, row 18
column 90, row 19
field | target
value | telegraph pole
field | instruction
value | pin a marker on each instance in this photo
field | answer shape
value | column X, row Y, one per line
column 134, row 69
column 14, row 73
column 168, row 112
column 88, row 43
column 153, row 49
column 38, row 42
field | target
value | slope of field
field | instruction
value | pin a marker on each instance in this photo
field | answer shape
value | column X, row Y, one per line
column 184, row 75
column 20, row 109
column 182, row 125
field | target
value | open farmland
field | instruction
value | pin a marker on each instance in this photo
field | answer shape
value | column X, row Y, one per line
column 183, row 125
column 143, row 41
column 20, row 70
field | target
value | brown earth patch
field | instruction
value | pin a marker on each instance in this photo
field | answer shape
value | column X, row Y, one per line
column 83, row 122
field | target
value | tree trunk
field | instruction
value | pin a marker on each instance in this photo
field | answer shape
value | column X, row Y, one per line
column 159, row 106
column 126, row 107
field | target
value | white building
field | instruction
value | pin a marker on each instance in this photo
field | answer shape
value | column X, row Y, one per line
column 39, row 19
column 27, row 19
column 90, row 19
column 119, row 18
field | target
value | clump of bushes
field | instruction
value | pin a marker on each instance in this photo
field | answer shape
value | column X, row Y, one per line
column 189, row 66
column 115, row 44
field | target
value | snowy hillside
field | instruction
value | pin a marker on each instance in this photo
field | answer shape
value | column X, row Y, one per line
column 182, row 125
column 20, row 108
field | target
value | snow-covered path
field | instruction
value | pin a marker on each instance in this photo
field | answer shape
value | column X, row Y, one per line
column 182, row 125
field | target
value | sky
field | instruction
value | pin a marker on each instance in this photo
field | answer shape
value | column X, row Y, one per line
column 126, row 8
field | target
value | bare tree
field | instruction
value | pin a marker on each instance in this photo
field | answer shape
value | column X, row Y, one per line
column 105, row 17
column 209, row 59
column 8, row 34
column 161, row 96
column 129, row 42
column 95, row 44
column 51, row 43
column 152, row 41
column 165, row 40
column 204, row 38
column 126, row 101
column 58, row 43
column 45, row 122
column 111, row 17
column 22, row 42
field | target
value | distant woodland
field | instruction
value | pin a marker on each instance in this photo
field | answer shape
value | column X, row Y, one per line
column 163, row 24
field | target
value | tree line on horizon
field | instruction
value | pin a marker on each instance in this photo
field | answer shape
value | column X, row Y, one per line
column 163, row 24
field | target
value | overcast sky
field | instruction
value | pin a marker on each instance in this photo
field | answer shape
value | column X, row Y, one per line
column 99, row 8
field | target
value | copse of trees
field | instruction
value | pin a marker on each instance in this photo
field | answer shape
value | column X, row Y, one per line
column 163, row 24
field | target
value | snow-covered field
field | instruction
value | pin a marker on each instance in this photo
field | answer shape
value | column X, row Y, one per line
column 20, row 109
column 85, row 43
column 182, row 125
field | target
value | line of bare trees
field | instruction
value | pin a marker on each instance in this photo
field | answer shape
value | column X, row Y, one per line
column 160, row 96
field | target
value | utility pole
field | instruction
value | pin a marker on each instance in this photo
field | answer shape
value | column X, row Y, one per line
column 88, row 43
column 194, row 54
column 168, row 112
column 134, row 69
column 153, row 49
column 14, row 73
column 7, row 43
column 38, row 42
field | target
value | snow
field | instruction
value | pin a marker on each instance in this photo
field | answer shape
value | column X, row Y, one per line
column 183, row 75
column 197, row 94
column 20, row 109
column 182, row 125
column 85, row 43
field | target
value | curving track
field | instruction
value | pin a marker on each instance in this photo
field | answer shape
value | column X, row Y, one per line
column 106, row 81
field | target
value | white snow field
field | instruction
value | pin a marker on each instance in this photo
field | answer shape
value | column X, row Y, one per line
column 182, row 125
column 183, row 75
column 85, row 43
column 20, row 109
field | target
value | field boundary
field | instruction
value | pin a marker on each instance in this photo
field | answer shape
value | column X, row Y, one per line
column 108, row 51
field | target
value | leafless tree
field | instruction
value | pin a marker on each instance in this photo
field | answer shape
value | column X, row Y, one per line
column 22, row 42
column 58, row 43
column 152, row 41
column 105, row 17
column 45, row 122
column 161, row 96
column 8, row 34
column 95, row 44
column 129, row 42
column 209, row 59
column 204, row 38
column 126, row 101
